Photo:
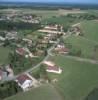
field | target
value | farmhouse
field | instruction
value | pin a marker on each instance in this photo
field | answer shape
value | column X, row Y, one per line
column 54, row 69
column 24, row 52
column 61, row 49
column 51, row 67
column 25, row 81
column 20, row 51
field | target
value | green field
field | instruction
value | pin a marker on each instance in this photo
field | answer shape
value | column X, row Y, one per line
column 77, row 80
column 45, row 92
column 63, row 20
column 80, row 43
column 90, row 30
column 4, row 51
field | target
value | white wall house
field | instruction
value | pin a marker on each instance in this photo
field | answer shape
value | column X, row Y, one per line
column 24, row 81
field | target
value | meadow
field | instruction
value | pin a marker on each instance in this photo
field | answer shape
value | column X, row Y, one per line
column 90, row 30
column 83, row 44
column 4, row 52
column 77, row 80
column 45, row 92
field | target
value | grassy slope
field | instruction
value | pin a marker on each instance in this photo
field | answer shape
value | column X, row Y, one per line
column 46, row 92
column 86, row 46
column 4, row 54
column 77, row 79
column 90, row 29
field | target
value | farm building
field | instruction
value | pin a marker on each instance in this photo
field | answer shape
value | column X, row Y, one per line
column 25, row 81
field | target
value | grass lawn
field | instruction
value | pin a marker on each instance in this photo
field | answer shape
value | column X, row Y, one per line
column 4, row 51
column 90, row 29
column 80, row 43
column 45, row 92
column 77, row 80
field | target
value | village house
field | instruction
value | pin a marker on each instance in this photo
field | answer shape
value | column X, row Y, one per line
column 51, row 67
column 61, row 49
column 52, row 29
column 12, row 35
column 26, row 81
column 24, row 52
column 76, row 29
column 30, row 19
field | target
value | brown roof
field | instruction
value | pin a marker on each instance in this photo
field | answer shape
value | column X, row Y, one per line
column 21, row 51
column 22, row 78
column 55, row 68
column 62, row 50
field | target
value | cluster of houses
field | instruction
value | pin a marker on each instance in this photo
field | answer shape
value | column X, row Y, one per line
column 52, row 32
column 53, row 29
column 25, row 81
column 5, row 17
column 30, row 19
column 5, row 35
column 25, row 52
column 25, row 18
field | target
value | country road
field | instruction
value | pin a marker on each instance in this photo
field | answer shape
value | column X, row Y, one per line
column 82, row 59
column 38, row 65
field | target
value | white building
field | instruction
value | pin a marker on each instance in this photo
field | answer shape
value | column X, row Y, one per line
column 24, row 81
column 51, row 67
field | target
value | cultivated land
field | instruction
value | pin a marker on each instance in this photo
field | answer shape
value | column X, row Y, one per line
column 46, row 92
column 77, row 80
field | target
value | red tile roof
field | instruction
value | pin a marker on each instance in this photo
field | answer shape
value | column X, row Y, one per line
column 21, row 51
column 55, row 68
column 22, row 78
column 62, row 50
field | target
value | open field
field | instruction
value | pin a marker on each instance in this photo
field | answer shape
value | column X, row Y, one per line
column 80, row 43
column 77, row 80
column 45, row 92
column 43, row 13
column 90, row 30
column 65, row 12
column 4, row 54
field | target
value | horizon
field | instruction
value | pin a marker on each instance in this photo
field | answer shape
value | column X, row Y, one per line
column 53, row 1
